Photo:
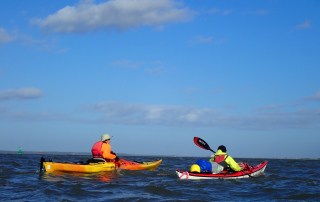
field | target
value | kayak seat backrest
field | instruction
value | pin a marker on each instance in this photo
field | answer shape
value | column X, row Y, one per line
column 96, row 160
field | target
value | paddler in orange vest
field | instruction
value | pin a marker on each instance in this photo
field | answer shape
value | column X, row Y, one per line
column 102, row 149
column 222, row 158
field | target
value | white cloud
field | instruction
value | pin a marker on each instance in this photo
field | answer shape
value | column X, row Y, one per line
column 122, row 113
column 272, row 117
column 202, row 40
column 315, row 97
column 5, row 37
column 158, row 70
column 25, row 115
column 261, row 12
column 43, row 44
column 114, row 14
column 177, row 116
column 135, row 114
column 127, row 64
column 155, row 68
column 150, row 67
column 227, row 12
column 217, row 11
column 20, row 94
column 305, row 25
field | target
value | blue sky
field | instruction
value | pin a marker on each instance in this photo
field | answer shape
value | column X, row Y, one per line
column 154, row 74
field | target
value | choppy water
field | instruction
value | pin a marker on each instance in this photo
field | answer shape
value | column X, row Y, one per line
column 284, row 180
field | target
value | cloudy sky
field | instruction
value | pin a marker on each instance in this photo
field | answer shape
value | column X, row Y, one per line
column 156, row 73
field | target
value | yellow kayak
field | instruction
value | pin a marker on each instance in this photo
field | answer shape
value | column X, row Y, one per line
column 98, row 166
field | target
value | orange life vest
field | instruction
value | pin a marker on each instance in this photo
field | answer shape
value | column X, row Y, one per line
column 96, row 150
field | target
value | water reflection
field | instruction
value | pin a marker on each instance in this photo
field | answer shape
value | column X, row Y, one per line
column 62, row 176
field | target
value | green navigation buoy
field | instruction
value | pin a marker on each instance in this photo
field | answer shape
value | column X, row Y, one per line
column 20, row 150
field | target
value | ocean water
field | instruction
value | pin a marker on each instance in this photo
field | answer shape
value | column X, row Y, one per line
column 284, row 180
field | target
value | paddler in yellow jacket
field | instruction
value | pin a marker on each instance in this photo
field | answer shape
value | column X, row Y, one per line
column 222, row 158
column 102, row 149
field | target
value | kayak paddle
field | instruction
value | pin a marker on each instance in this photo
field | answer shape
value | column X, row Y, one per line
column 202, row 144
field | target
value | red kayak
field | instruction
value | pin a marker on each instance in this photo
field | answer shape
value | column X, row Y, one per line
column 248, row 171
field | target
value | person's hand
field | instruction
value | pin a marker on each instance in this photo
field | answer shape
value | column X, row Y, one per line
column 117, row 158
column 242, row 165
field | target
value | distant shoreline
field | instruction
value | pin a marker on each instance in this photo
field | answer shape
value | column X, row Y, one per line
column 71, row 153
column 52, row 153
column 123, row 154
column 43, row 152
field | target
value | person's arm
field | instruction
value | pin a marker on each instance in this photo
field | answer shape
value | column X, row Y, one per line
column 212, row 158
column 233, row 164
column 106, row 148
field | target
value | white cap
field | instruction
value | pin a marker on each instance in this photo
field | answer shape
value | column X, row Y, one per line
column 105, row 137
